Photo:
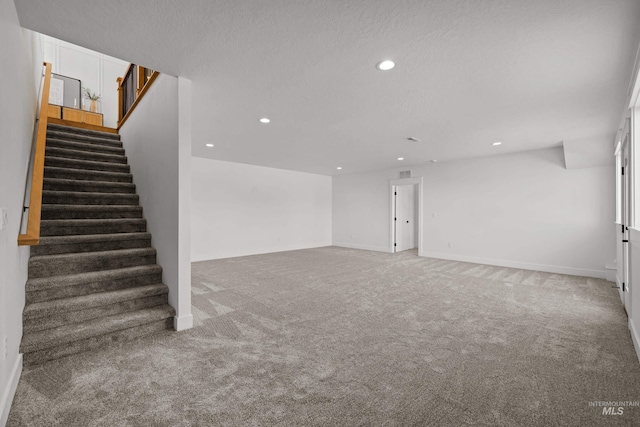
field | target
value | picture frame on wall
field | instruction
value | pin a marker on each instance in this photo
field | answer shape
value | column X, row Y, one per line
column 70, row 88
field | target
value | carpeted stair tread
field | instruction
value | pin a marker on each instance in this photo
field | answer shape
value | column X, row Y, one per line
column 83, row 302
column 85, row 134
column 88, row 198
column 61, row 318
column 85, row 285
column 65, row 162
column 71, row 280
column 55, row 245
column 85, row 155
column 51, row 211
column 69, row 333
column 74, row 263
column 100, row 341
column 86, row 175
column 59, row 184
column 66, row 227
column 84, row 146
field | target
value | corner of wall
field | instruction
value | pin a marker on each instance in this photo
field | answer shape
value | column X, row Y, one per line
column 184, row 320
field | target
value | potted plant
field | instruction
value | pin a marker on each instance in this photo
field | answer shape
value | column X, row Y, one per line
column 93, row 97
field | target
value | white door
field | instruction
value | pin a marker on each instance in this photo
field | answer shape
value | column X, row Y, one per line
column 626, row 217
column 405, row 217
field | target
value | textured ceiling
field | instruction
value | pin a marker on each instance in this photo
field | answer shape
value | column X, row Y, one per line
column 531, row 74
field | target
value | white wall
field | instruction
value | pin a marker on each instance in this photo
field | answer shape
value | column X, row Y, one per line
column 523, row 210
column 241, row 209
column 361, row 210
column 158, row 150
column 20, row 57
column 97, row 72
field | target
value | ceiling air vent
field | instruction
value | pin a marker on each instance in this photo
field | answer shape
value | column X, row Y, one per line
column 405, row 174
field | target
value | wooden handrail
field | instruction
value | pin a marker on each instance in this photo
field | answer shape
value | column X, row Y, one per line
column 139, row 96
column 32, row 235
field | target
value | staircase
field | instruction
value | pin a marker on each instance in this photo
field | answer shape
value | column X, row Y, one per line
column 93, row 280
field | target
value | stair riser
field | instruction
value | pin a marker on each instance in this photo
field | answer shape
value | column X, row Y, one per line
column 89, row 187
column 55, row 230
column 92, row 287
column 89, row 247
column 85, row 175
column 78, row 213
column 89, row 199
column 85, row 165
column 84, row 155
column 92, row 343
column 83, row 146
column 78, row 316
column 47, row 268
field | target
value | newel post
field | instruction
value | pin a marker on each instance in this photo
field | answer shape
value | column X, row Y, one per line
column 120, row 114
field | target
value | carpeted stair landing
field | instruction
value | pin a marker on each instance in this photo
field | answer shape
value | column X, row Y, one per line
column 93, row 280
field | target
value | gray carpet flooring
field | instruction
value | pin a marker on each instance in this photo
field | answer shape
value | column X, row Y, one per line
column 343, row 337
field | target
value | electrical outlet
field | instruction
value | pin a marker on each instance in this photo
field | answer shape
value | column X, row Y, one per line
column 4, row 218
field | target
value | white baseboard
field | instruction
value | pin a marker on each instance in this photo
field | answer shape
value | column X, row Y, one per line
column 635, row 338
column 599, row 274
column 611, row 272
column 259, row 251
column 363, row 247
column 10, row 391
column 183, row 322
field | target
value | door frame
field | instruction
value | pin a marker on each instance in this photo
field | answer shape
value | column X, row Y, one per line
column 419, row 186
column 625, row 152
column 624, row 214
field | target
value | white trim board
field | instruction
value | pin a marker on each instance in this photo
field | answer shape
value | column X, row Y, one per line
column 363, row 247
column 181, row 323
column 598, row 274
column 619, row 287
column 265, row 250
column 10, row 391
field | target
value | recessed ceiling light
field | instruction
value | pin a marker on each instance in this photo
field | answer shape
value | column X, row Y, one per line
column 209, row 145
column 264, row 120
column 400, row 158
column 434, row 161
column 412, row 139
column 339, row 168
column 497, row 143
column 385, row 65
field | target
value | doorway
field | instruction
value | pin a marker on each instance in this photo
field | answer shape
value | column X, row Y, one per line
column 405, row 206
column 406, row 215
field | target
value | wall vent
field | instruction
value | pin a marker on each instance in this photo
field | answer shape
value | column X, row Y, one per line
column 405, row 174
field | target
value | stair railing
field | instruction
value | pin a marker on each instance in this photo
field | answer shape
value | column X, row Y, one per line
column 31, row 236
column 131, row 88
